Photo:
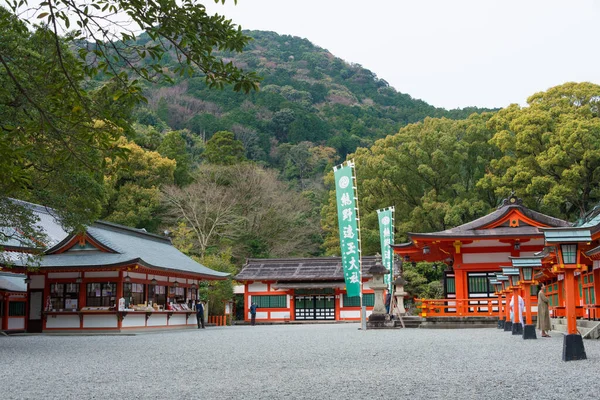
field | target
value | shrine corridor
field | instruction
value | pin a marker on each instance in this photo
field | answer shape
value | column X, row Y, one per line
column 330, row 361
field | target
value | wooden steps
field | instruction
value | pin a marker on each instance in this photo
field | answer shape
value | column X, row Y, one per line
column 587, row 329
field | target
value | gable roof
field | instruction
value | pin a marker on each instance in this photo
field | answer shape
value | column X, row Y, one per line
column 500, row 223
column 123, row 246
column 299, row 269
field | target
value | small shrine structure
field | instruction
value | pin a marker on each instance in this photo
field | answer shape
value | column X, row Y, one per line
column 474, row 252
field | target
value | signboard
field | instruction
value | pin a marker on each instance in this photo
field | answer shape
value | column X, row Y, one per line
column 345, row 190
column 386, row 237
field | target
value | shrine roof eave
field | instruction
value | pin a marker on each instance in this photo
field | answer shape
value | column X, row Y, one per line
column 566, row 235
column 503, row 210
column 317, row 269
column 476, row 235
column 81, row 264
column 593, row 252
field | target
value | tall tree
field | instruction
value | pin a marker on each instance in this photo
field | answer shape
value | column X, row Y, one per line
column 243, row 207
column 55, row 134
column 174, row 146
column 53, row 140
column 428, row 171
column 133, row 185
column 550, row 150
column 224, row 149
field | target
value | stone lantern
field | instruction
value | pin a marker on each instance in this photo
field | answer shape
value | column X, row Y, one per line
column 399, row 294
column 377, row 283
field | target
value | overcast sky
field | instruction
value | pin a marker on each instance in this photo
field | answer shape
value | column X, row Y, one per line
column 449, row 53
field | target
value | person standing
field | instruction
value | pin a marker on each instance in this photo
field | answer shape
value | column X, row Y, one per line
column 253, row 314
column 200, row 314
column 521, row 305
column 388, row 301
column 543, row 316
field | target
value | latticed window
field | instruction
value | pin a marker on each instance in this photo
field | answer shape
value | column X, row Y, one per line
column 368, row 300
column 569, row 253
column 270, row 301
column 450, row 285
column 16, row 309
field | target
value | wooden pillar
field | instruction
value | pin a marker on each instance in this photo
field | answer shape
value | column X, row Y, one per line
column 293, row 306
column 507, row 307
column 527, row 298
column 44, row 297
column 246, row 304
column 5, row 306
column 596, row 275
column 516, row 311
column 500, row 314
column 570, row 301
column 460, row 284
column 119, row 295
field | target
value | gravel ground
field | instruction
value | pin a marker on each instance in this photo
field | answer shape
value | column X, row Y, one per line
column 296, row 362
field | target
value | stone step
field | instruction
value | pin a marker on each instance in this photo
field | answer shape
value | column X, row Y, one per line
column 409, row 322
column 587, row 329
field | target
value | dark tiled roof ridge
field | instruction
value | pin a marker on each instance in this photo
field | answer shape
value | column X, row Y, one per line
column 35, row 207
column 296, row 259
column 495, row 216
column 129, row 230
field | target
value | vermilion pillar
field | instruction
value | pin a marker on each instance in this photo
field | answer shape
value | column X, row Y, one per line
column 570, row 303
column 527, row 290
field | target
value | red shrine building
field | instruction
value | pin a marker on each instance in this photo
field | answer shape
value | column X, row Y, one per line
column 302, row 289
column 475, row 251
column 108, row 278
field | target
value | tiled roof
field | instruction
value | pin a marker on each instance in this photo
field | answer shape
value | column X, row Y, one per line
column 299, row 269
column 12, row 282
column 48, row 222
column 130, row 245
column 474, row 228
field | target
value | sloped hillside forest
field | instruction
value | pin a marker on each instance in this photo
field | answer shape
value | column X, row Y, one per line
column 230, row 175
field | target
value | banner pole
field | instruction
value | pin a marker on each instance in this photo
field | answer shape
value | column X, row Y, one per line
column 363, row 310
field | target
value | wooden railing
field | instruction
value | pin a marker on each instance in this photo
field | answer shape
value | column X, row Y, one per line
column 219, row 320
column 487, row 307
column 458, row 307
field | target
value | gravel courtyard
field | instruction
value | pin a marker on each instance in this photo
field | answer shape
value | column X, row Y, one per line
column 296, row 362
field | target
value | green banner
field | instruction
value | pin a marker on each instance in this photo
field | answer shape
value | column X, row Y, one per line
column 386, row 237
column 348, row 225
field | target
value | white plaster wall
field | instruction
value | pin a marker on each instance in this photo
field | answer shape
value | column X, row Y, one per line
column 160, row 278
column 136, row 275
column 280, row 314
column 486, row 258
column 259, row 315
column 37, row 282
column 157, row 320
column 257, row 287
column 16, row 323
column 59, row 275
column 62, row 321
column 102, row 274
column 177, row 319
column 487, row 243
column 133, row 320
column 238, row 289
column 100, row 321
column 192, row 319
column 350, row 314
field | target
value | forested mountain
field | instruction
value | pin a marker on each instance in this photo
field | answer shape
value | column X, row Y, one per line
column 307, row 94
